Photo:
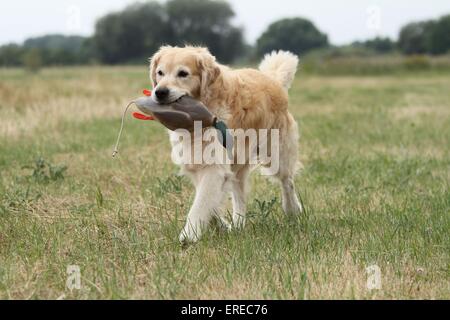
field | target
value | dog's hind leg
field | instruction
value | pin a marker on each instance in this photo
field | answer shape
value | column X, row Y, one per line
column 287, row 166
column 290, row 202
column 210, row 185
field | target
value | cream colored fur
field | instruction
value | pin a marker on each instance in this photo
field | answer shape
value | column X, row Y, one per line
column 280, row 65
column 243, row 98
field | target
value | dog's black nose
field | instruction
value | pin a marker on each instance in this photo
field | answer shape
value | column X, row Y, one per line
column 162, row 93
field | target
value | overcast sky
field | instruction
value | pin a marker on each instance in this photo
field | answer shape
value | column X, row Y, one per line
column 344, row 21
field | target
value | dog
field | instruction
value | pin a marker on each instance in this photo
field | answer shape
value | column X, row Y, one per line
column 243, row 99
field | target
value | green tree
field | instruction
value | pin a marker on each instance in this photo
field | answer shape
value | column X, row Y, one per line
column 88, row 54
column 297, row 35
column 59, row 49
column 439, row 36
column 414, row 38
column 132, row 34
column 56, row 41
column 206, row 23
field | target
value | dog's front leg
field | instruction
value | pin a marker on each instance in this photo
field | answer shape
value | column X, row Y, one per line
column 209, row 195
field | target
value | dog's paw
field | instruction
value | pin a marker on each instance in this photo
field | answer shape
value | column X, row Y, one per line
column 190, row 234
column 238, row 222
column 293, row 209
column 224, row 224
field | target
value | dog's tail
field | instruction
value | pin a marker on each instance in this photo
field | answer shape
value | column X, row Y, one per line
column 281, row 66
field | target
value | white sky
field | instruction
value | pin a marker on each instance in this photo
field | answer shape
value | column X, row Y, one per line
column 344, row 21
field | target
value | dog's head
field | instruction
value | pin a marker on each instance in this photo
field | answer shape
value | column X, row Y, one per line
column 176, row 72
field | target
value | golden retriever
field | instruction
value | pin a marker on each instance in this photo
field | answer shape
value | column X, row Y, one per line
column 243, row 99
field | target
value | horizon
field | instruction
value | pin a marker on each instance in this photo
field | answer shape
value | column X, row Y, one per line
column 364, row 19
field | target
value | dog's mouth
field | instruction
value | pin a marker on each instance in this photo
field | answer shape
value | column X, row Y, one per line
column 171, row 99
column 180, row 97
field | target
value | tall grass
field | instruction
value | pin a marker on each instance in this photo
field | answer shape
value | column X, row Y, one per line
column 322, row 64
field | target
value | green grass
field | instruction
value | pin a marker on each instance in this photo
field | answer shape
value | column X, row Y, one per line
column 375, row 183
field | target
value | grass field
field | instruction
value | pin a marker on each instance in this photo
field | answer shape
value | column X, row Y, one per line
column 375, row 183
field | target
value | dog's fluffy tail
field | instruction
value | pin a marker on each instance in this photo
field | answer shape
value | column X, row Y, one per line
column 281, row 66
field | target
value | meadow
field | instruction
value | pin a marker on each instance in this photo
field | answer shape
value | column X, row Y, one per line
column 375, row 185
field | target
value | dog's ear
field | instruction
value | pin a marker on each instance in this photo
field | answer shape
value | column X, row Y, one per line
column 209, row 69
column 154, row 60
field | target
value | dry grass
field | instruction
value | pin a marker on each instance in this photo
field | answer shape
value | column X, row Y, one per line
column 375, row 183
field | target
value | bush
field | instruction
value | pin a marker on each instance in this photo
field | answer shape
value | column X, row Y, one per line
column 11, row 55
column 328, row 62
column 417, row 62
column 32, row 60
column 45, row 172
column 377, row 45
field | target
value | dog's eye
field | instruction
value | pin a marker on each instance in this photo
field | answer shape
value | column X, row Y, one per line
column 160, row 73
column 183, row 74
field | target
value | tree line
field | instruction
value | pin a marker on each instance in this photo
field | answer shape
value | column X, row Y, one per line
column 131, row 35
